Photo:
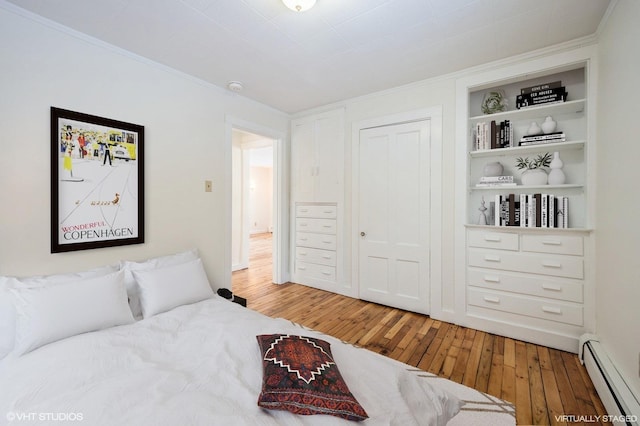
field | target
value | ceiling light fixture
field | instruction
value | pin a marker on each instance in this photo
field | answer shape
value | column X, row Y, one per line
column 299, row 5
column 235, row 86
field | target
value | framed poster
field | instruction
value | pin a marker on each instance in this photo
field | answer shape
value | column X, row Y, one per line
column 97, row 182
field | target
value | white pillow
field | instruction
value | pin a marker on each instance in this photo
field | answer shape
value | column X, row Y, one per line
column 7, row 308
column 7, row 316
column 51, row 313
column 165, row 288
column 133, row 291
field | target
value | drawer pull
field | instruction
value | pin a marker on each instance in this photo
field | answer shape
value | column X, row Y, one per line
column 492, row 279
column 327, row 211
column 304, row 210
column 548, row 264
column 326, row 273
column 302, row 268
column 492, row 238
column 327, row 241
column 550, row 310
column 491, row 299
column 303, row 238
column 492, row 258
column 304, row 224
column 302, row 253
column 326, row 256
column 552, row 242
column 551, row 287
column 327, row 226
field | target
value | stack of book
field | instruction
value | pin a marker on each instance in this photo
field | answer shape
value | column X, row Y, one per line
column 492, row 135
column 541, row 94
column 542, row 139
column 496, row 181
column 530, row 211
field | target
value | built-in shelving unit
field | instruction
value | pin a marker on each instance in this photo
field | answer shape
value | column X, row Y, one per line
column 533, row 284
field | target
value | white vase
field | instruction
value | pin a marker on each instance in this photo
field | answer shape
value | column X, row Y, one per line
column 548, row 125
column 556, row 175
column 493, row 169
column 534, row 129
column 534, row 177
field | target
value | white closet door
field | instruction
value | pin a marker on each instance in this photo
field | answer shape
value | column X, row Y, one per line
column 394, row 188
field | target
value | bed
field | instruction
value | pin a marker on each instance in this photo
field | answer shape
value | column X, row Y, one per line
column 149, row 343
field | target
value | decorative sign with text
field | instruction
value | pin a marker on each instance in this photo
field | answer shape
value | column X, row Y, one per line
column 97, row 182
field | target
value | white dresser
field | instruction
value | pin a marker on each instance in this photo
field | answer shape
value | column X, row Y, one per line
column 316, row 245
column 533, row 281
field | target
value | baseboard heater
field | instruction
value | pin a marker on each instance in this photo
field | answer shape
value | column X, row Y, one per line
column 621, row 405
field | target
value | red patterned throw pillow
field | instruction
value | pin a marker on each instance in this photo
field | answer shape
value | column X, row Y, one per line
column 300, row 376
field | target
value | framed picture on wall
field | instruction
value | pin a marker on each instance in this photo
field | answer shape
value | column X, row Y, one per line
column 97, row 182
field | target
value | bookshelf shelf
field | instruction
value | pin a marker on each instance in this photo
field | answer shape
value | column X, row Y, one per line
column 544, row 188
column 518, row 230
column 575, row 106
column 523, row 150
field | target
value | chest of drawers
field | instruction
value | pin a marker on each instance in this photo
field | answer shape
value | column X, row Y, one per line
column 532, row 283
column 316, row 245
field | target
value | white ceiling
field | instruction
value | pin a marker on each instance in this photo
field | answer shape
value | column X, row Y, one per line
column 338, row 50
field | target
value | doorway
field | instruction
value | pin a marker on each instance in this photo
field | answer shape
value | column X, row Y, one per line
column 244, row 137
column 252, row 194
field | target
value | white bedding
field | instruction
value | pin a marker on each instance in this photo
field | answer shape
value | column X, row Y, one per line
column 197, row 364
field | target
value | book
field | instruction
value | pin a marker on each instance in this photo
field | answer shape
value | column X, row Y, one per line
column 552, row 211
column 511, row 139
column 541, row 142
column 523, row 210
column 500, row 179
column 497, row 206
column 554, row 135
column 565, row 212
column 531, row 211
column 513, row 210
column 538, row 209
column 542, row 97
column 544, row 211
column 495, row 184
column 493, row 135
column 492, row 213
column 539, row 87
column 504, row 211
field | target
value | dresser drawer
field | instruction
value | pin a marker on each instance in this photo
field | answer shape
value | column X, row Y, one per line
column 492, row 239
column 321, row 241
column 319, row 211
column 311, row 270
column 545, row 264
column 521, row 305
column 561, row 289
column 325, row 226
column 559, row 244
column 312, row 255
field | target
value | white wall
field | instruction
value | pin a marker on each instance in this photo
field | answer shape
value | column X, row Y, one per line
column 617, row 230
column 44, row 65
column 237, row 195
column 260, row 199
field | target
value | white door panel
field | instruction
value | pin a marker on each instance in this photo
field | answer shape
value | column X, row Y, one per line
column 394, row 215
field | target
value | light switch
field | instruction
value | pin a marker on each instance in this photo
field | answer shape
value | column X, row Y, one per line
column 208, row 186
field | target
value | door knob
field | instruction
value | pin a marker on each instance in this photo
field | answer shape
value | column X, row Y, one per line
column 362, row 234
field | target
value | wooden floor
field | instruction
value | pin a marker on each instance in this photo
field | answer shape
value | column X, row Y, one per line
column 544, row 384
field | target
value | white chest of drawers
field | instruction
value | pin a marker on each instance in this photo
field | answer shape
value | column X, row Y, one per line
column 528, row 286
column 316, row 245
